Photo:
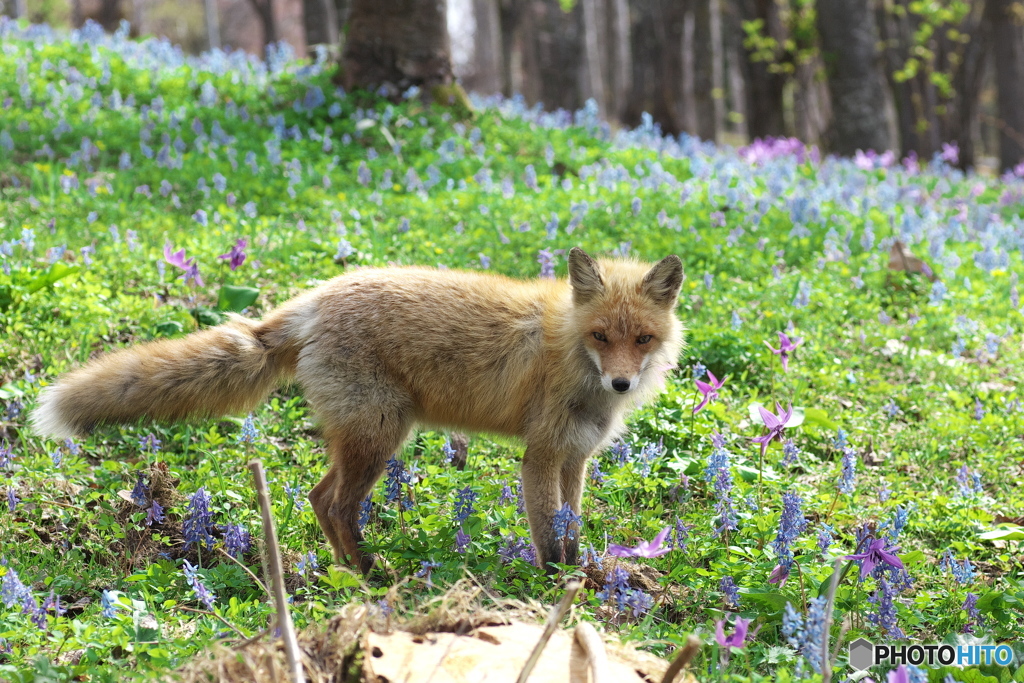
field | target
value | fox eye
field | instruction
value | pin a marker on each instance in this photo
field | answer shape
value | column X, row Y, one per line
column 644, row 339
column 600, row 337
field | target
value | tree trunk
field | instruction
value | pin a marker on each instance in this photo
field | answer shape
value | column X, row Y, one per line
column 487, row 53
column 212, row 24
column 1008, row 55
column 397, row 44
column 319, row 17
column 657, row 49
column 620, row 64
column 847, row 32
column 509, row 16
column 703, row 70
column 553, row 51
column 265, row 11
column 764, row 91
column 593, row 30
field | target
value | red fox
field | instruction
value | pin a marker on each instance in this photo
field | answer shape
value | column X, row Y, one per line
column 557, row 364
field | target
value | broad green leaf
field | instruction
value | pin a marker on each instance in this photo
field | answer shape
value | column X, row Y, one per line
column 236, row 299
column 1007, row 533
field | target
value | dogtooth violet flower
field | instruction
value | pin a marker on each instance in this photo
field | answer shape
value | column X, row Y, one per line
column 775, row 424
column 236, row 256
column 877, row 553
column 177, row 259
column 708, row 390
column 652, row 548
column 738, row 638
column 786, row 346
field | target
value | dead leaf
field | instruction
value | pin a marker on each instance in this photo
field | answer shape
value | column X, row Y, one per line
column 495, row 653
column 900, row 258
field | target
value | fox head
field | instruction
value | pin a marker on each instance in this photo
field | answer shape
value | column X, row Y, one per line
column 625, row 313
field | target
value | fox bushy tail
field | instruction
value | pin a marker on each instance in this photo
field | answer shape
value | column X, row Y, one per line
column 226, row 369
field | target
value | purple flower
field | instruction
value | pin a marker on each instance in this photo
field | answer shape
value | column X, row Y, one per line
column 546, row 259
column 307, row 562
column 708, row 390
column 738, row 638
column 775, row 424
column 198, row 519
column 426, row 570
column 565, row 523
column 204, row 594
column 877, row 553
column 236, row 539
column 236, row 256
column 652, row 548
column 177, row 259
column 513, row 547
column 462, row 540
column 155, row 513
column 849, row 464
column 808, row 636
column 950, row 153
column 464, row 500
column 140, row 493
column 786, row 346
column 885, row 617
column 730, row 592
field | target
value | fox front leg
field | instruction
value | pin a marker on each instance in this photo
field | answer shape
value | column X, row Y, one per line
column 541, row 490
column 572, row 478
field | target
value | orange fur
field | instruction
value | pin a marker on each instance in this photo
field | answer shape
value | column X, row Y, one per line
column 378, row 350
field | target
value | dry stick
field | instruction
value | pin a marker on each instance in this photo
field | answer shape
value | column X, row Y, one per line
column 683, row 659
column 587, row 649
column 826, row 664
column 246, row 570
column 212, row 614
column 284, row 617
column 554, row 617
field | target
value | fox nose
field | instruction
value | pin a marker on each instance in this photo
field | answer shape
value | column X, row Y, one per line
column 620, row 384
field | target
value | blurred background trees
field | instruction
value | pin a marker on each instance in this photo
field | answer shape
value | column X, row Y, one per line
column 906, row 75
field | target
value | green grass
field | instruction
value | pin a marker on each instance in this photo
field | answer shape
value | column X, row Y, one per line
column 767, row 234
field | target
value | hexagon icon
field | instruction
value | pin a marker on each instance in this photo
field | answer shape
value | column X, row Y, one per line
column 862, row 654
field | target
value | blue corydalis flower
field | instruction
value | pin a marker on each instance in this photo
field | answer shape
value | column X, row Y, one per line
column 565, row 523
column 464, row 500
column 198, row 521
column 730, row 592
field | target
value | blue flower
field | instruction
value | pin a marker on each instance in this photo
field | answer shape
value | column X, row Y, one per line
column 807, row 634
column 730, row 592
column 198, row 521
column 565, row 523
column 464, row 500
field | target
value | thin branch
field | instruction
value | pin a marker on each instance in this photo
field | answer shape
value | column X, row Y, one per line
column 554, row 617
column 284, row 617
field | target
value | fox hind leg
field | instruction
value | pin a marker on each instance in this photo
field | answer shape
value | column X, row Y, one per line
column 358, row 459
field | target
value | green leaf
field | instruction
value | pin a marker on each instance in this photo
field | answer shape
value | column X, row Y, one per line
column 769, row 598
column 57, row 271
column 169, row 328
column 236, row 299
column 819, row 417
column 1006, row 533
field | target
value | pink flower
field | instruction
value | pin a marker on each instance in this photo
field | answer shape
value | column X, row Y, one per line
column 709, row 391
column 738, row 637
column 786, row 346
column 650, row 548
column 177, row 259
column 775, row 424
column 877, row 553
column 236, row 256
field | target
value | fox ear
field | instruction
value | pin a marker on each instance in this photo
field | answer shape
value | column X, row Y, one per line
column 662, row 282
column 583, row 276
